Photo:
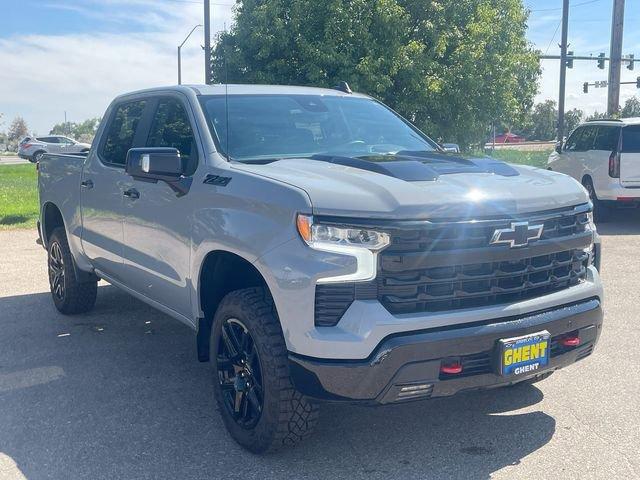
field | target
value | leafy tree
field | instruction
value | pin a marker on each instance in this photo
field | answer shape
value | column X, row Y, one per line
column 542, row 122
column 451, row 66
column 17, row 129
column 572, row 119
column 83, row 131
column 597, row 116
column 631, row 108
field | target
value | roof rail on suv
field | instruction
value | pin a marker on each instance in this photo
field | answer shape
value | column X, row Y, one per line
column 604, row 120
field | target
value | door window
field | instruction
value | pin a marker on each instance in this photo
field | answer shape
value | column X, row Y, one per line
column 585, row 142
column 607, row 138
column 121, row 132
column 573, row 140
column 49, row 139
column 171, row 128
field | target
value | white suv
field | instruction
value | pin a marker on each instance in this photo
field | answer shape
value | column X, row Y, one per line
column 34, row 148
column 604, row 155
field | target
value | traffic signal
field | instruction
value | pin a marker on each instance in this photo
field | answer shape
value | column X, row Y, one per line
column 601, row 61
column 638, row 82
column 569, row 59
column 585, row 86
column 631, row 61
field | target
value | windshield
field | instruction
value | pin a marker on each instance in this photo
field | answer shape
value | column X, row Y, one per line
column 281, row 126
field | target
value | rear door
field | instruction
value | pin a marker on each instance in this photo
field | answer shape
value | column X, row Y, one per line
column 630, row 156
column 51, row 144
column 103, row 184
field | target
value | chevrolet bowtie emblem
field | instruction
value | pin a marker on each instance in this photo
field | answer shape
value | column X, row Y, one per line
column 519, row 235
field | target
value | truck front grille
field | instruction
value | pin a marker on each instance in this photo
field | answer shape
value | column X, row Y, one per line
column 445, row 266
column 480, row 284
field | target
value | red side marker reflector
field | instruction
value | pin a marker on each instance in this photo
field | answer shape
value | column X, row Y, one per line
column 451, row 368
column 626, row 199
column 570, row 341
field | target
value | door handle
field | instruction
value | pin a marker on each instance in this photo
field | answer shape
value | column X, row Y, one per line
column 88, row 184
column 132, row 193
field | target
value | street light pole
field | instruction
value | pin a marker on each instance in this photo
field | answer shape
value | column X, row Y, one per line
column 207, row 43
column 180, row 51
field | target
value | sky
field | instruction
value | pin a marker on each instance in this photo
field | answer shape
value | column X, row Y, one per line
column 74, row 56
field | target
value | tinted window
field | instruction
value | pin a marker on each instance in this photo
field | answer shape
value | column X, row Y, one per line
column 64, row 140
column 607, row 138
column 48, row 139
column 573, row 140
column 631, row 139
column 275, row 126
column 585, row 142
column 121, row 131
column 171, row 128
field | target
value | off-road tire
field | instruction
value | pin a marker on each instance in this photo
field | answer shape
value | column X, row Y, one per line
column 77, row 297
column 287, row 416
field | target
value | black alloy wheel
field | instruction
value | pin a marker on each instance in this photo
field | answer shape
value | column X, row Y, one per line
column 240, row 374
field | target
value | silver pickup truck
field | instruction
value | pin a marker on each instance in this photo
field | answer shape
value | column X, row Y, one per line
column 323, row 249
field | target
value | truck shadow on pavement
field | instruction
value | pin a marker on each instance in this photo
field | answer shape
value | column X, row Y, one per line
column 118, row 393
column 621, row 222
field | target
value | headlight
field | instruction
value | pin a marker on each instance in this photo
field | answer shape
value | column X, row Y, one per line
column 361, row 243
column 591, row 224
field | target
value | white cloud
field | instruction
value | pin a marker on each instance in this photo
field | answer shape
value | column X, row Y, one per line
column 42, row 76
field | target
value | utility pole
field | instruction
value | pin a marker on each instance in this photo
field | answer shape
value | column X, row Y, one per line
column 615, row 65
column 563, row 68
column 207, row 43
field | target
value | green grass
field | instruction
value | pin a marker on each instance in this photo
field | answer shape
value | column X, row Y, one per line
column 18, row 196
column 535, row 159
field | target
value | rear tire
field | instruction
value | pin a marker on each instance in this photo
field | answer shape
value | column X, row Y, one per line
column 38, row 156
column 601, row 213
column 259, row 405
column 69, row 295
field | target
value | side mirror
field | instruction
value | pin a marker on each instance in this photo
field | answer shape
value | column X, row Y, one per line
column 153, row 164
column 559, row 146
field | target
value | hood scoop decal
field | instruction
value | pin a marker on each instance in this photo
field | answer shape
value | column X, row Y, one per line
column 422, row 167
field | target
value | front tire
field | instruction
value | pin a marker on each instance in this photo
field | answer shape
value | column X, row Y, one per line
column 260, row 407
column 69, row 295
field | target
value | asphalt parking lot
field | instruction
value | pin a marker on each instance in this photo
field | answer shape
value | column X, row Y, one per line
column 118, row 393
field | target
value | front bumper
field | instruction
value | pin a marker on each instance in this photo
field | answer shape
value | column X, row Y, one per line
column 414, row 359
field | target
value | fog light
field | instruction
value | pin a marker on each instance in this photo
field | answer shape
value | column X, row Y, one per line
column 570, row 341
column 451, row 368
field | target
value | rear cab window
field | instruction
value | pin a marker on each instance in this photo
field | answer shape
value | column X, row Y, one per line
column 631, row 139
column 121, row 132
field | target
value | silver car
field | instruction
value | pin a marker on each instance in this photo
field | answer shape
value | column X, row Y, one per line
column 33, row 148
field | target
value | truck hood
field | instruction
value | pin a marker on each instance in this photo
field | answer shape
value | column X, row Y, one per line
column 435, row 186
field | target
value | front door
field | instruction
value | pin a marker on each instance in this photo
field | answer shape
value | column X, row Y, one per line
column 157, row 224
column 102, row 186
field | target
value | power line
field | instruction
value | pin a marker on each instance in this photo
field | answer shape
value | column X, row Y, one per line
column 560, row 8
column 553, row 38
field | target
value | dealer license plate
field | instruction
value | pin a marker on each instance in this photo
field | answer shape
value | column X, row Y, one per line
column 526, row 354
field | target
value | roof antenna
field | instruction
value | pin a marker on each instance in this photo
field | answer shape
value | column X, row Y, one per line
column 226, row 88
column 343, row 87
